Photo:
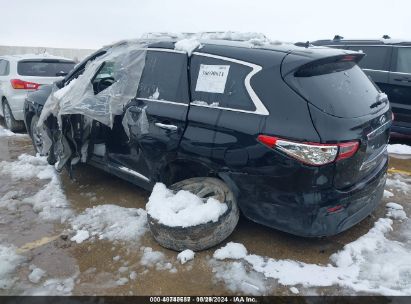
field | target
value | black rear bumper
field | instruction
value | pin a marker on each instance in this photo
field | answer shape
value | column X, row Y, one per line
column 307, row 214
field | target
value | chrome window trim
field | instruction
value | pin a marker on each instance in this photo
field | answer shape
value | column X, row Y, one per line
column 260, row 109
column 401, row 73
column 163, row 101
column 372, row 70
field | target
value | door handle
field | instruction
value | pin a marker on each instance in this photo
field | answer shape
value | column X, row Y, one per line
column 166, row 127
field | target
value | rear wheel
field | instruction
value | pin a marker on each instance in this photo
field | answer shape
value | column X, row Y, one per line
column 36, row 134
column 9, row 121
column 202, row 236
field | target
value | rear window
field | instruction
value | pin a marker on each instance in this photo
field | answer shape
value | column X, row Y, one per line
column 44, row 68
column 339, row 91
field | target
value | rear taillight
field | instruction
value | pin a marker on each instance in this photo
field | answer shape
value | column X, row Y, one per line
column 314, row 154
column 19, row 84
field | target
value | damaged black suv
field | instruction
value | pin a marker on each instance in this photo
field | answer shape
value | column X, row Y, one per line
column 298, row 134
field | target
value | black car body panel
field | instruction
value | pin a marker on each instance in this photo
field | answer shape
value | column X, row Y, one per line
column 192, row 131
column 388, row 63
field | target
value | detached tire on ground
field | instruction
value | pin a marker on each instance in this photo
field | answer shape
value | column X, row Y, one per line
column 202, row 236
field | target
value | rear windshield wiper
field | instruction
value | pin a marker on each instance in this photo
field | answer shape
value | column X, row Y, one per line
column 381, row 98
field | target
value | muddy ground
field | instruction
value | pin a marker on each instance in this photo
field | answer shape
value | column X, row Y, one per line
column 91, row 267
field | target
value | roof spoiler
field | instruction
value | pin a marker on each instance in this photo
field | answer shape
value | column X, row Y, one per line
column 328, row 65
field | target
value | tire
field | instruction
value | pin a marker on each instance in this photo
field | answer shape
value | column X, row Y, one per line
column 9, row 121
column 202, row 236
column 36, row 135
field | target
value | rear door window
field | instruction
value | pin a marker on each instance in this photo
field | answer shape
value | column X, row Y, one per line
column 44, row 67
column 4, row 67
column 164, row 77
column 377, row 57
column 216, row 82
column 404, row 60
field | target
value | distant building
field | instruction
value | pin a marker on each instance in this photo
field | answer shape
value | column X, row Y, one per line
column 74, row 54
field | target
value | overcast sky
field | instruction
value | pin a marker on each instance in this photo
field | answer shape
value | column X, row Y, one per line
column 93, row 23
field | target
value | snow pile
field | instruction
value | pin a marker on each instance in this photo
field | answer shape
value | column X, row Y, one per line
column 373, row 263
column 187, row 45
column 50, row 202
column 80, row 236
column 182, row 209
column 9, row 260
column 231, row 251
column 36, row 275
column 157, row 259
column 395, row 211
column 7, row 133
column 399, row 149
column 110, row 222
column 397, row 183
column 185, row 256
column 388, row 194
column 27, row 167
column 53, row 287
column 237, row 278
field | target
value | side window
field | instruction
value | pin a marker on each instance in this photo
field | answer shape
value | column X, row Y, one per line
column 220, row 83
column 404, row 60
column 104, row 77
column 164, row 77
column 4, row 67
column 79, row 69
column 377, row 57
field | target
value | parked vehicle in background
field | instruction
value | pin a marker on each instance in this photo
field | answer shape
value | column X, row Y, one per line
column 388, row 63
column 20, row 74
column 297, row 134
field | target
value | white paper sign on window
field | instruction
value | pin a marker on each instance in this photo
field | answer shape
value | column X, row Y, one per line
column 212, row 78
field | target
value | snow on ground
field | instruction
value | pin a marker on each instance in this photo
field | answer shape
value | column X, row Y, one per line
column 27, row 167
column 388, row 194
column 157, row 259
column 398, row 183
column 182, row 209
column 373, row 263
column 237, row 277
column 53, row 287
column 36, row 274
column 395, row 211
column 7, row 133
column 231, row 251
column 9, row 261
column 185, row 256
column 399, row 149
column 109, row 222
column 53, row 207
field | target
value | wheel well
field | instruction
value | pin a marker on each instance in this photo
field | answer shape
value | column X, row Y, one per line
column 183, row 169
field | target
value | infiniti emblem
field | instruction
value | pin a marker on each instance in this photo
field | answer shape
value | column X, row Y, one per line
column 382, row 119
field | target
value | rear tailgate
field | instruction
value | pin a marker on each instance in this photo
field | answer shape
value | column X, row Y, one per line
column 345, row 106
